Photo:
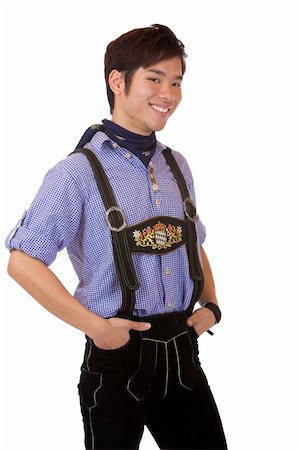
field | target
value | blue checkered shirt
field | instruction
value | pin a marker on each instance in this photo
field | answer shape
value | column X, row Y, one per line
column 68, row 212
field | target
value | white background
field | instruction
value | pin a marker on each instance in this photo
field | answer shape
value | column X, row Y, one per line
column 238, row 128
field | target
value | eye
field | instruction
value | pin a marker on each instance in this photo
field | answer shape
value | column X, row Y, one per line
column 176, row 84
column 155, row 80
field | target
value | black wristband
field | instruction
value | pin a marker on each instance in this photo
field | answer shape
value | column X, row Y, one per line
column 215, row 310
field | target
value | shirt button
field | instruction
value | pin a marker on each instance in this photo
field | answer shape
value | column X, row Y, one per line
column 128, row 155
column 114, row 144
column 167, row 271
column 170, row 305
column 158, row 202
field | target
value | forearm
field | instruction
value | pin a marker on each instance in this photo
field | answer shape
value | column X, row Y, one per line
column 43, row 285
column 209, row 292
column 203, row 319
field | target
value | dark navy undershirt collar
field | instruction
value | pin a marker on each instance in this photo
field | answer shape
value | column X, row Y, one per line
column 142, row 146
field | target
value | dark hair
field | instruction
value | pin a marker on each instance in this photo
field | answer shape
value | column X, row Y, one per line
column 141, row 47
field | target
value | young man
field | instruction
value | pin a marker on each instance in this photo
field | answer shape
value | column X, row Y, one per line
column 123, row 206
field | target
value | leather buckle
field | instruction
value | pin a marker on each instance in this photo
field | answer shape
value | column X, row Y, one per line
column 189, row 201
column 110, row 226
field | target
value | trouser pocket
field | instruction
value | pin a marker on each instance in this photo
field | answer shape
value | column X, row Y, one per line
column 89, row 388
column 105, row 374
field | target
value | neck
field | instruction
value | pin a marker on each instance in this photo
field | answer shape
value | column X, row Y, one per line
column 128, row 127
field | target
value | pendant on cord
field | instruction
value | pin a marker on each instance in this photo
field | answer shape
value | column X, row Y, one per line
column 152, row 176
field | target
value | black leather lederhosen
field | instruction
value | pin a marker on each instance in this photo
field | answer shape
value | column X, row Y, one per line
column 121, row 234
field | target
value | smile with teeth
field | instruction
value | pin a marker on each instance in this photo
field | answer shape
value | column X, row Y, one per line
column 160, row 108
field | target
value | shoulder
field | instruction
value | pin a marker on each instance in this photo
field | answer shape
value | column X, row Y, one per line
column 75, row 167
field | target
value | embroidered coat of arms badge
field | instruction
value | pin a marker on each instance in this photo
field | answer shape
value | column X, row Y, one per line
column 159, row 236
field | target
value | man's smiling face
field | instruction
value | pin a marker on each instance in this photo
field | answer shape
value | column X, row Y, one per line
column 153, row 96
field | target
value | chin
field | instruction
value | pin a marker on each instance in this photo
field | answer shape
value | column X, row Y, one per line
column 159, row 127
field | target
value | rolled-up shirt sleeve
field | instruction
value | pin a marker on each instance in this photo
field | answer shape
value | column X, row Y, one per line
column 52, row 219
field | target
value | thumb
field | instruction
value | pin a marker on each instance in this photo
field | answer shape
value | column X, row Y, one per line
column 139, row 326
column 190, row 321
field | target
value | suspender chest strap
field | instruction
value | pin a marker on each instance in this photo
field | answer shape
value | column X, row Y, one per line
column 190, row 214
column 116, row 223
column 195, row 269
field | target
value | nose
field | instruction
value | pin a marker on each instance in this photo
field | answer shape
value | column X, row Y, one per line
column 167, row 92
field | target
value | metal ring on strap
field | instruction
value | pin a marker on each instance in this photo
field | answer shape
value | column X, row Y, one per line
column 122, row 226
column 185, row 202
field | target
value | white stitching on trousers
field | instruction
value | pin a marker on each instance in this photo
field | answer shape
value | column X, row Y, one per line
column 167, row 369
column 158, row 341
column 165, row 342
column 90, row 411
column 88, row 356
column 179, row 367
column 133, row 376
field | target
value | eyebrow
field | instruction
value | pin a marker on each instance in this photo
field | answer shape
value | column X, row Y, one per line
column 160, row 72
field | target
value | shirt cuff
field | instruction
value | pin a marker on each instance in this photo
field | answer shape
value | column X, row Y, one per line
column 34, row 244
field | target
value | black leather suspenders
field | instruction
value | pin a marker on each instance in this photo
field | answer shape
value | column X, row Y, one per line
column 196, row 273
column 117, row 225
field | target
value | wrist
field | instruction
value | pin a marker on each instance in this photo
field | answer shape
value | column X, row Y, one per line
column 215, row 310
column 96, row 326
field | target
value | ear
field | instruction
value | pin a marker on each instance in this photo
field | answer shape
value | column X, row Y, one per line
column 116, row 81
